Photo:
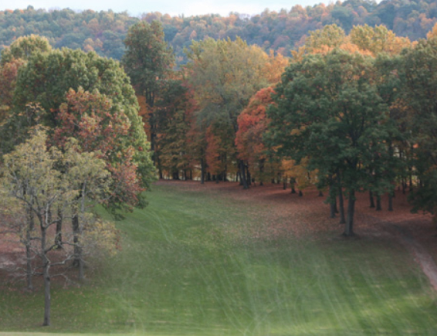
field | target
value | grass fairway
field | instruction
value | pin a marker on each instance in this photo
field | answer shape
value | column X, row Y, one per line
column 189, row 267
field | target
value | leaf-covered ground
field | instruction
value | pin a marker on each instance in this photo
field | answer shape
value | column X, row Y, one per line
column 217, row 260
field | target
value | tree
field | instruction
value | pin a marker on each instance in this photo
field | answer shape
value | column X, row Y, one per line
column 330, row 36
column 147, row 61
column 173, row 113
column 252, row 124
column 378, row 39
column 31, row 176
column 91, row 119
column 12, row 58
column 328, row 109
column 419, row 79
column 24, row 47
column 224, row 74
column 46, row 80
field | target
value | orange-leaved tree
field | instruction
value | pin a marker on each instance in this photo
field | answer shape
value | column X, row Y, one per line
column 252, row 124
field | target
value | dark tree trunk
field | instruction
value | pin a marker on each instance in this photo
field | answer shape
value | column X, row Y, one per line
column 249, row 178
column 261, row 170
column 78, row 261
column 349, row 228
column 46, row 274
column 372, row 200
column 208, row 176
column 202, row 171
column 378, row 203
column 410, row 173
column 284, row 186
column 29, row 256
column 320, row 193
column 332, row 206
column 243, row 175
column 390, row 201
column 292, row 181
column 340, row 199
column 333, row 198
column 58, row 237
column 404, row 186
column 300, row 193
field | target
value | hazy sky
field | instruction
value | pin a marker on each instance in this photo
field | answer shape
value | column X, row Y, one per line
column 172, row 7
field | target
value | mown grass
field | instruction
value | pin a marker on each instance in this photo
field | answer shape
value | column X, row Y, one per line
column 188, row 267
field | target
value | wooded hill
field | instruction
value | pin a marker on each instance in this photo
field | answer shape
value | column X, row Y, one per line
column 281, row 31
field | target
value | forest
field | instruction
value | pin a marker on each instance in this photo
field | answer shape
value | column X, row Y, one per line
column 344, row 105
column 104, row 32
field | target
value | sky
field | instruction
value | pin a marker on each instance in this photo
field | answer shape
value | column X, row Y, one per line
column 172, row 7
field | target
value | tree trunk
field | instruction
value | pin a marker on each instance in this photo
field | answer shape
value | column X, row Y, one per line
column 261, row 170
column 340, row 199
column 58, row 237
column 320, row 193
column 410, row 173
column 243, row 175
column 202, row 171
column 292, row 181
column 300, row 193
column 332, row 206
column 46, row 275
column 29, row 257
column 284, row 186
column 390, row 201
column 333, row 198
column 378, row 203
column 349, row 229
column 372, row 200
column 77, row 262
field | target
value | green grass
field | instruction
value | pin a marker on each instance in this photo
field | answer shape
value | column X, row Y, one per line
column 188, row 267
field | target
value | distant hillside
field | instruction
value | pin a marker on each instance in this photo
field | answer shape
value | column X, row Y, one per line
column 281, row 31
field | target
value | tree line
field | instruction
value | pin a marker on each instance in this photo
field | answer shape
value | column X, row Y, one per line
column 347, row 113
column 280, row 31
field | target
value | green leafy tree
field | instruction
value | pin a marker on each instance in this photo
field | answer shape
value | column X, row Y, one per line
column 330, row 36
column 328, row 109
column 419, row 78
column 12, row 58
column 147, row 61
column 24, row 47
